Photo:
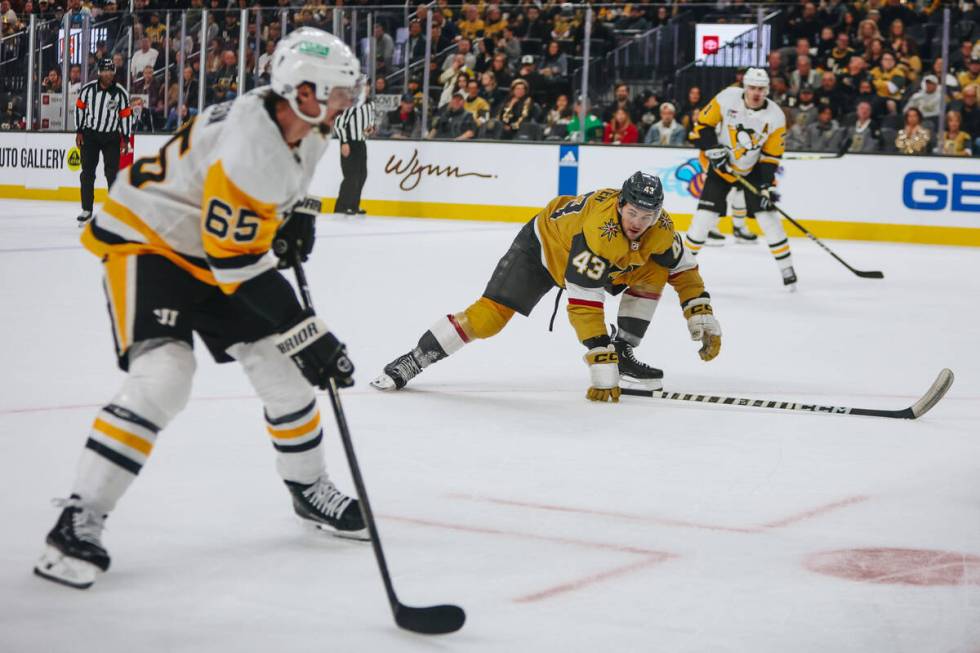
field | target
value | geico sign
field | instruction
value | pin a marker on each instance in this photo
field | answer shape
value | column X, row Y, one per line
column 934, row 191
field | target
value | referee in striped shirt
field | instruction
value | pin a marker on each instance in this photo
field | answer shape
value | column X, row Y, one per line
column 353, row 126
column 102, row 115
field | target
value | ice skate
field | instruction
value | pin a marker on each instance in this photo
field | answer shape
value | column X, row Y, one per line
column 743, row 236
column 74, row 553
column 635, row 374
column 324, row 506
column 715, row 239
column 398, row 372
column 789, row 279
column 83, row 217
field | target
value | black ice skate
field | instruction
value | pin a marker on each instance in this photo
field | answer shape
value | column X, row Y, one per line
column 743, row 236
column 398, row 372
column 327, row 508
column 714, row 239
column 789, row 279
column 634, row 373
column 74, row 554
column 83, row 217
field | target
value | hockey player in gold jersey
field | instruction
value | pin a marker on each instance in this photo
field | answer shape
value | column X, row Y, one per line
column 185, row 240
column 740, row 134
column 604, row 242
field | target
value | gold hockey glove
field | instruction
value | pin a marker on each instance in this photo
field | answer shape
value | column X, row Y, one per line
column 703, row 326
column 603, row 373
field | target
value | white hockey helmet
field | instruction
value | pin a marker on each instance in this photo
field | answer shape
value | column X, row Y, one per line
column 756, row 77
column 310, row 55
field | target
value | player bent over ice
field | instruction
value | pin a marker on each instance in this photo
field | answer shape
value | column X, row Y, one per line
column 185, row 239
column 606, row 241
column 741, row 132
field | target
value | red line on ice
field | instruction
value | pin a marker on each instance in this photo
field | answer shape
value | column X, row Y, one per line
column 578, row 584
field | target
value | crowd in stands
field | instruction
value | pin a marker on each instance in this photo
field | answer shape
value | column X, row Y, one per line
column 865, row 73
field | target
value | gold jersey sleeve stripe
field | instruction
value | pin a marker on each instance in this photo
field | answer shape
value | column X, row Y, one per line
column 126, row 438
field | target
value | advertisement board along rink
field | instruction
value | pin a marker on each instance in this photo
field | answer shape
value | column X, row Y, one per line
column 856, row 197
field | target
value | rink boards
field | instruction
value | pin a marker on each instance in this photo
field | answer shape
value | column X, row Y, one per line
column 857, row 197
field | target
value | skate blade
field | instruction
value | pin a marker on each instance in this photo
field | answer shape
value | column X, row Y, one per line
column 630, row 383
column 745, row 241
column 715, row 243
column 56, row 566
column 384, row 383
column 317, row 527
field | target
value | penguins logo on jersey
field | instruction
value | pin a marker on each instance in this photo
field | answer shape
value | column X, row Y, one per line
column 745, row 139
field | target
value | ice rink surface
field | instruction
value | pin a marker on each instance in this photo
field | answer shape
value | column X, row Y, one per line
column 559, row 525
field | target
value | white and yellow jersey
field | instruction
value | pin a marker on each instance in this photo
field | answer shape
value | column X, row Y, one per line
column 212, row 199
column 753, row 136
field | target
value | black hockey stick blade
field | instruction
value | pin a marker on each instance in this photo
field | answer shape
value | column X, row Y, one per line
column 925, row 403
column 869, row 274
column 434, row 620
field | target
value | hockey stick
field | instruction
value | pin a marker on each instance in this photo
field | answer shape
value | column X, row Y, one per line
column 816, row 156
column 932, row 396
column 865, row 274
column 432, row 620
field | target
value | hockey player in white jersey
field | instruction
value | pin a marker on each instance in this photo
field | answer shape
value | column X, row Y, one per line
column 741, row 132
column 185, row 241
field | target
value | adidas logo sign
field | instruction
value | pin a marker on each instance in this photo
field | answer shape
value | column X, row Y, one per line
column 568, row 160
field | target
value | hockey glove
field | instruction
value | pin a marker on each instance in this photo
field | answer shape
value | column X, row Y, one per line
column 703, row 326
column 297, row 233
column 317, row 352
column 767, row 198
column 604, row 374
column 718, row 159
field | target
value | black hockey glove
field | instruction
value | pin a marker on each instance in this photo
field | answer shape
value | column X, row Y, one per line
column 767, row 197
column 297, row 233
column 317, row 352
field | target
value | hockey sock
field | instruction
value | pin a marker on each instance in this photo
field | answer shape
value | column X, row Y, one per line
column 697, row 233
column 772, row 226
column 484, row 318
column 636, row 309
column 297, row 437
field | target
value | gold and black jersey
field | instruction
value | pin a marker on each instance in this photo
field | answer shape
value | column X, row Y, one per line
column 586, row 252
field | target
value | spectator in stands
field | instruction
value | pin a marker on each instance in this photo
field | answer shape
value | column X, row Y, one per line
column 149, row 86
column 8, row 17
column 803, row 108
column 471, row 26
column 518, row 108
column 960, row 60
column 593, row 126
column 454, row 122
column 691, row 107
column 475, row 104
column 535, row 80
column 380, row 86
column 530, row 24
column 840, row 56
column 265, row 62
column 824, row 135
column 867, row 33
column 189, row 81
column 952, row 84
column 969, row 109
column 866, row 93
column 11, row 116
column 804, row 24
column 484, row 55
column 416, row 43
column 224, row 81
column 796, row 134
column 633, row 19
column 554, row 62
column 913, row 138
column 511, row 46
column 825, row 45
column 874, row 53
column 402, row 122
column 856, row 73
column 646, row 112
column 802, row 49
column 894, row 10
column 803, row 74
column 907, row 55
column 74, row 78
column 830, row 95
column 117, row 61
column 384, row 48
column 52, row 82
column 450, row 77
column 620, row 130
column 558, row 118
column 491, row 92
column 501, row 70
column 888, row 79
column 439, row 40
column 954, row 140
column 76, row 12
column 779, row 91
column 145, row 56
column 155, row 31
column 495, row 22
column 775, row 66
column 621, row 100
column 927, row 99
column 667, row 131
column 863, row 135
column 972, row 74
column 142, row 121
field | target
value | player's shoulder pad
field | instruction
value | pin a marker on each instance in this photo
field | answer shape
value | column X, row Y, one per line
column 252, row 151
column 601, row 224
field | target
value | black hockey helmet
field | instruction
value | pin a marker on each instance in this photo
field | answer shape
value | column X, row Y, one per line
column 644, row 191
